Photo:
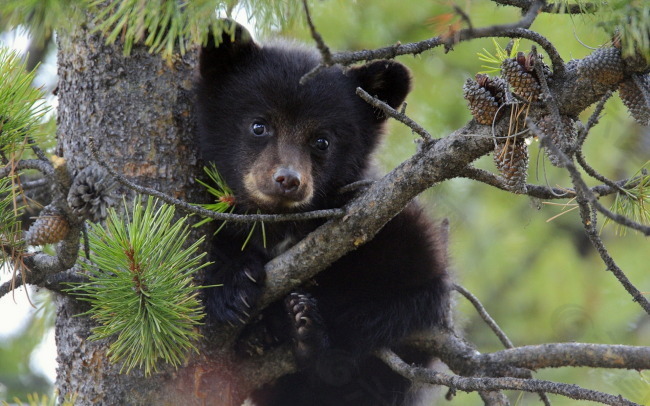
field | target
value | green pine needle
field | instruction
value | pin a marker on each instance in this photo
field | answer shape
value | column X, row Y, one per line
column 494, row 61
column 40, row 17
column 165, row 26
column 140, row 287
column 34, row 399
column 22, row 106
column 169, row 26
column 10, row 230
column 225, row 202
column 631, row 19
column 633, row 204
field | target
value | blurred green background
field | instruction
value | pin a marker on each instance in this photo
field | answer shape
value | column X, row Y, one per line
column 541, row 280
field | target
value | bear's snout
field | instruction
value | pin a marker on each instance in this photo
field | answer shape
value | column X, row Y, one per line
column 287, row 180
column 278, row 187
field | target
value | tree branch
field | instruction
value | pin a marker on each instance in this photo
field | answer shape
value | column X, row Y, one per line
column 194, row 209
column 554, row 8
column 516, row 30
column 45, row 167
column 555, row 355
column 391, row 112
column 367, row 213
column 585, row 198
column 485, row 316
column 419, row 374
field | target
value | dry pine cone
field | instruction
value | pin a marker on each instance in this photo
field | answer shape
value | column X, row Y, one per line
column 563, row 136
column 91, row 193
column 604, row 66
column 636, row 98
column 520, row 74
column 511, row 159
column 50, row 226
column 484, row 96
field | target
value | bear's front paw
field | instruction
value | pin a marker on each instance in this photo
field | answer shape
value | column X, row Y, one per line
column 308, row 328
column 234, row 300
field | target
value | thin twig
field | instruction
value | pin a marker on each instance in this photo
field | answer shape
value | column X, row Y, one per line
column 495, row 328
column 585, row 198
column 463, row 15
column 515, row 30
column 37, row 150
column 485, row 316
column 325, row 52
column 581, row 187
column 194, row 209
column 45, row 167
column 540, row 192
column 361, row 184
column 391, row 112
column 547, row 95
column 594, row 174
column 589, row 221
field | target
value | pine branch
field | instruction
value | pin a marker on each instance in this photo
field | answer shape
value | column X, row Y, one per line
column 140, row 288
column 495, row 328
column 485, row 316
column 515, row 30
column 585, row 198
column 45, row 167
column 418, row 374
column 554, row 8
column 195, row 209
column 555, row 355
column 391, row 112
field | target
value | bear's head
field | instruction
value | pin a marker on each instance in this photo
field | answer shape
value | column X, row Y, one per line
column 282, row 146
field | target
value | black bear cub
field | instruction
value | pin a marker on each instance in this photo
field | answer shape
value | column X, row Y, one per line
column 286, row 147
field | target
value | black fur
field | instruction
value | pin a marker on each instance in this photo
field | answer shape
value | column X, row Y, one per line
column 253, row 118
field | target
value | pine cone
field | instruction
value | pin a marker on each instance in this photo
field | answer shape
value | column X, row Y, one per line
column 604, row 66
column 563, row 136
column 91, row 194
column 511, row 158
column 634, row 100
column 50, row 226
column 484, row 96
column 520, row 74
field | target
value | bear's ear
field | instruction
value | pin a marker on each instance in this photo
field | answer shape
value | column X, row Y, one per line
column 389, row 81
column 219, row 54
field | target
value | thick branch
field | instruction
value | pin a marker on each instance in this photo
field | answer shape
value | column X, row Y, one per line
column 419, row 374
column 368, row 213
column 557, row 355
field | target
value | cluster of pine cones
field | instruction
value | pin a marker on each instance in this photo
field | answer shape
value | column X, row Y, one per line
column 90, row 196
column 489, row 99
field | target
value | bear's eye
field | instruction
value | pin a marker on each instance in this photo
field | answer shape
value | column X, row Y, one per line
column 321, row 144
column 259, row 129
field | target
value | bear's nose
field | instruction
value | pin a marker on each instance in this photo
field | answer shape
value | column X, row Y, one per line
column 287, row 179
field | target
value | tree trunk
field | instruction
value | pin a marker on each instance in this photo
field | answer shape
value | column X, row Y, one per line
column 139, row 111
